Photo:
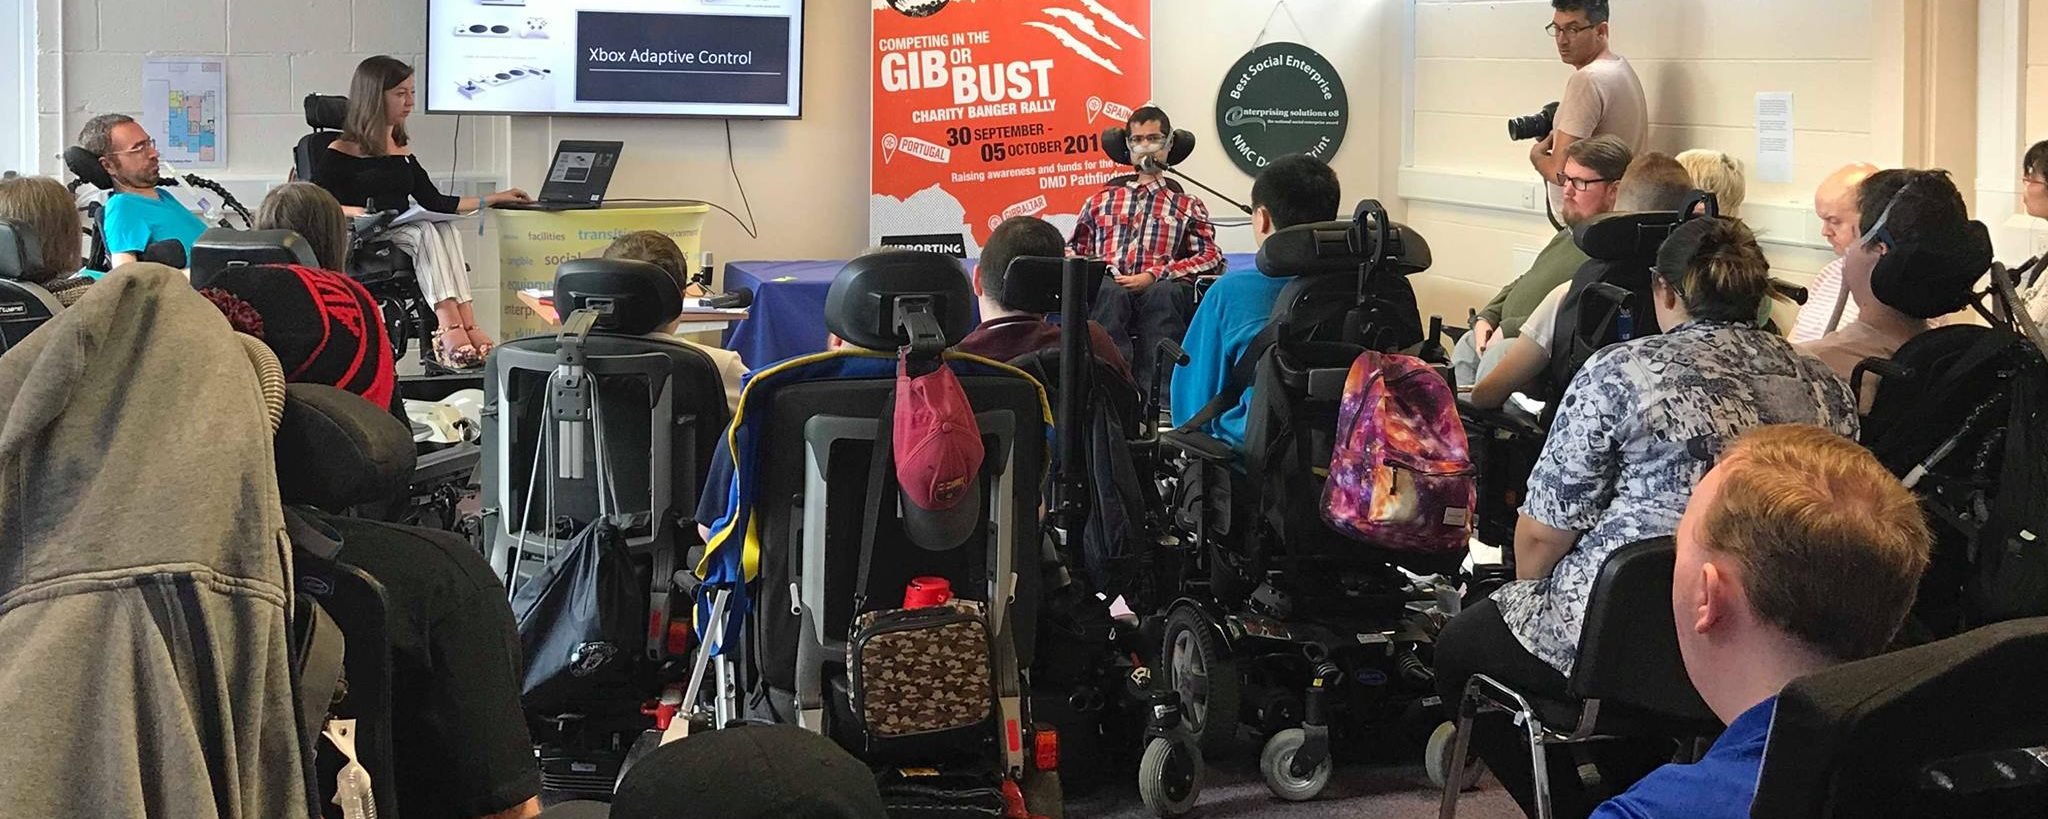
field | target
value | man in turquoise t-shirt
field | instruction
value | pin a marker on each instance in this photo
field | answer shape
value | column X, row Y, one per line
column 138, row 213
column 1294, row 190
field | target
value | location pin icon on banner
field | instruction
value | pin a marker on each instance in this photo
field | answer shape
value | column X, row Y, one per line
column 1094, row 109
column 888, row 148
column 995, row 222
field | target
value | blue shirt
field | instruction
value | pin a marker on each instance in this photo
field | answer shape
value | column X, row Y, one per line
column 134, row 222
column 1233, row 312
column 1719, row 786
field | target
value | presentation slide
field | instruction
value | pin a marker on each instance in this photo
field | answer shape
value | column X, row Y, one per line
column 706, row 58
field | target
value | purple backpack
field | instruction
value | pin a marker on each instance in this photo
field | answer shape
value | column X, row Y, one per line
column 1401, row 469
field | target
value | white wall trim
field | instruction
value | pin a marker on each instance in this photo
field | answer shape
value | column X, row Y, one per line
column 18, row 144
column 2001, row 138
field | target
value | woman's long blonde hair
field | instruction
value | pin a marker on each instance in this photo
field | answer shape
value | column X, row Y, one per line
column 368, row 115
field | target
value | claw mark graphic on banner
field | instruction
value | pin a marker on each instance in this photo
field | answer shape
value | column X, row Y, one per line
column 1082, row 24
column 888, row 148
column 1111, row 18
column 928, row 151
column 1067, row 39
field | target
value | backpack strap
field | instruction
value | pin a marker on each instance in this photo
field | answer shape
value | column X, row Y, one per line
column 881, row 485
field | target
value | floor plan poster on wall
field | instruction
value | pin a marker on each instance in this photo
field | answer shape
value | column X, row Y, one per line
column 184, row 105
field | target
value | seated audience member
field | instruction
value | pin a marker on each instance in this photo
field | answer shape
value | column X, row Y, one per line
column 1593, row 170
column 656, row 248
column 1834, row 202
column 1719, row 174
column 138, row 212
column 45, row 207
column 1006, row 333
column 1655, row 183
column 313, row 213
column 1639, row 426
column 1922, row 215
column 459, row 737
column 1798, row 552
column 2034, row 193
column 1294, row 190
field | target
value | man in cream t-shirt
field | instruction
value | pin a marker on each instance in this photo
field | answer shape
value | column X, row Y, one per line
column 1603, row 97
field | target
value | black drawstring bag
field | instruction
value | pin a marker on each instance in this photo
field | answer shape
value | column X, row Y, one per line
column 581, row 623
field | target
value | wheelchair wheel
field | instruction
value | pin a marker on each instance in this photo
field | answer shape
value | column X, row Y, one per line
column 1170, row 776
column 1436, row 759
column 1278, row 756
column 1201, row 669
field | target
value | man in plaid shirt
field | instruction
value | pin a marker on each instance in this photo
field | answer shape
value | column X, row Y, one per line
column 1156, row 240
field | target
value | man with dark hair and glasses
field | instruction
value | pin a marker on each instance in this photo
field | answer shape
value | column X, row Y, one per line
column 1603, row 97
column 138, row 212
column 1591, row 179
column 1156, row 240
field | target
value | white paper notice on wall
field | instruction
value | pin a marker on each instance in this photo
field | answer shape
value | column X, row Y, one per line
column 184, row 106
column 1774, row 136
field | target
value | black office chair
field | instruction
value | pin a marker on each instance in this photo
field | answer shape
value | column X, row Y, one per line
column 23, row 306
column 1956, row 728
column 1628, row 679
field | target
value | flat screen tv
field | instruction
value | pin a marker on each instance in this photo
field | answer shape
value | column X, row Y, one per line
column 682, row 58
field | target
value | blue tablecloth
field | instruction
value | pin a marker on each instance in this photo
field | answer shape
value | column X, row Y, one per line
column 788, row 315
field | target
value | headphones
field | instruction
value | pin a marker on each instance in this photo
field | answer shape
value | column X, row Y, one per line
column 1116, row 142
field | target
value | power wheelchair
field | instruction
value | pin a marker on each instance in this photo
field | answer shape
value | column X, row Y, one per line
column 602, row 423
column 373, row 259
column 1271, row 620
column 86, row 170
column 24, row 306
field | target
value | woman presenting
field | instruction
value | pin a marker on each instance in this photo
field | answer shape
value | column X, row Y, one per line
column 370, row 168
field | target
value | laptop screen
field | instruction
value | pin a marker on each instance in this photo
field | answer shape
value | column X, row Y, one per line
column 582, row 171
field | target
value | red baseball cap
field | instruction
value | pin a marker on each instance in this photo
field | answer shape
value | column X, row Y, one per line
column 938, row 457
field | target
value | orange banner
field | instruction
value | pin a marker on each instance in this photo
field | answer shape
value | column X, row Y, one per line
column 987, row 109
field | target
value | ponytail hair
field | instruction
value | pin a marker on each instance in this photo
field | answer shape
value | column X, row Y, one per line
column 1717, row 269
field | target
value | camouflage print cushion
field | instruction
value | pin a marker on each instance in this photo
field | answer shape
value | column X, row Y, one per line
column 920, row 671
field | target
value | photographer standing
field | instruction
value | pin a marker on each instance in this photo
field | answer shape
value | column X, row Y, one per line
column 1603, row 97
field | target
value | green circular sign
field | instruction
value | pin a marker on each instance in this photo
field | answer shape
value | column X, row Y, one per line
column 1280, row 99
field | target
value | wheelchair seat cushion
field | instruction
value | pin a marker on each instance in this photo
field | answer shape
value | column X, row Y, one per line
column 324, row 326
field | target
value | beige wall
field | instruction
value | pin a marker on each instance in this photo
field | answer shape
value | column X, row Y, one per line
column 2037, row 72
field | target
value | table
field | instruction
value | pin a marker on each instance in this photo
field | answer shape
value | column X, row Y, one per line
column 707, row 320
column 533, row 243
column 788, row 315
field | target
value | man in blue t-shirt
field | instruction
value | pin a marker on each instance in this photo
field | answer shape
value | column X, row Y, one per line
column 1799, row 551
column 1294, row 190
column 138, row 212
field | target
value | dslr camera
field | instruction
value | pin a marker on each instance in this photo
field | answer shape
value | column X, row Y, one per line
column 1533, row 126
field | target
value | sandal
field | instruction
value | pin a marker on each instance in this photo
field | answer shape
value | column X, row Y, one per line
column 459, row 357
column 484, row 347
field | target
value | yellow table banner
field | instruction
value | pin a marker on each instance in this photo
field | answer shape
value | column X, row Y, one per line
column 532, row 243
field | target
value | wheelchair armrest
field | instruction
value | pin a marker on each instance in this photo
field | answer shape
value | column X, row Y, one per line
column 1199, row 445
column 1509, row 418
column 370, row 224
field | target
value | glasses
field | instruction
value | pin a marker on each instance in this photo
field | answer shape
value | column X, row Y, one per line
column 2033, row 180
column 1573, row 30
column 1147, row 139
column 142, row 147
column 1580, row 185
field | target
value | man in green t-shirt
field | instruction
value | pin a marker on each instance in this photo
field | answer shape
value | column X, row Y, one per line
column 1593, row 169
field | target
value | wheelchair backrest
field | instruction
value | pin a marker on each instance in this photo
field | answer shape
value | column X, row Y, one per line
column 23, row 306
column 220, row 248
column 1609, row 300
column 631, row 298
column 1950, row 728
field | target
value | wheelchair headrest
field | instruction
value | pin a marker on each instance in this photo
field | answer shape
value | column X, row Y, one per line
column 1034, row 284
column 1326, row 248
column 336, row 450
column 219, row 247
column 863, row 305
column 86, row 165
column 20, row 251
column 1116, row 142
column 1619, row 237
column 631, row 297
column 325, row 111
